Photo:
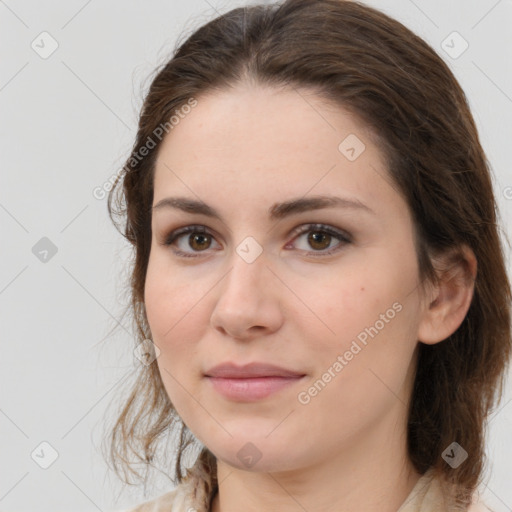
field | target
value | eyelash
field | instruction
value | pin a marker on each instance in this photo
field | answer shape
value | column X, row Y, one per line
column 343, row 238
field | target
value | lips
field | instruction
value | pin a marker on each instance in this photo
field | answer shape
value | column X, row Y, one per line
column 230, row 370
column 251, row 382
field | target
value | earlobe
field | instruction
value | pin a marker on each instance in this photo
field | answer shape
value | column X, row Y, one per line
column 449, row 302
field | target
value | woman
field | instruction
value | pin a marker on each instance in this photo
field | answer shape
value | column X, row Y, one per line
column 318, row 280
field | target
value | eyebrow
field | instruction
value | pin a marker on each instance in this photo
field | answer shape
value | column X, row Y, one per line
column 275, row 212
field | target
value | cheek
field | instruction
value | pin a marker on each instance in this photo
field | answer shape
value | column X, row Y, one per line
column 361, row 373
column 343, row 306
column 158, row 304
column 169, row 312
column 177, row 318
column 167, row 299
column 370, row 316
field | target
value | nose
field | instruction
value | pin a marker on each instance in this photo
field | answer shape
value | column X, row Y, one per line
column 248, row 304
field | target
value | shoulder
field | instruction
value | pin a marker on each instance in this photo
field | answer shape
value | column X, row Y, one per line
column 192, row 494
column 478, row 506
column 431, row 492
column 166, row 503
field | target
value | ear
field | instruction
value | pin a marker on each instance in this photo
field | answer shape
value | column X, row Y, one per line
column 448, row 302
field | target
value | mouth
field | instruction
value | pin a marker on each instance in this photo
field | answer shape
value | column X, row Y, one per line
column 251, row 382
column 250, row 389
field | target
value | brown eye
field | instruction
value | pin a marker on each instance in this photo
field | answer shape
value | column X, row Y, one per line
column 319, row 240
column 199, row 241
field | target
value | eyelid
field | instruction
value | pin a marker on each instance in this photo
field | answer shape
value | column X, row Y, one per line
column 318, row 226
column 172, row 235
column 343, row 237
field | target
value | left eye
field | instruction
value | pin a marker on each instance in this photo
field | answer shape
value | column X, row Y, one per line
column 319, row 238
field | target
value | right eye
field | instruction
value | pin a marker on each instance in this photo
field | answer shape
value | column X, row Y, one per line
column 199, row 240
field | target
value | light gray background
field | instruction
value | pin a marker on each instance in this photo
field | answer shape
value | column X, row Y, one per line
column 67, row 124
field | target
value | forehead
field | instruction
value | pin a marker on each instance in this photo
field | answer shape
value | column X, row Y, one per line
column 260, row 142
column 254, row 121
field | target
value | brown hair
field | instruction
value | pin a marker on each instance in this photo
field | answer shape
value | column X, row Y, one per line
column 372, row 65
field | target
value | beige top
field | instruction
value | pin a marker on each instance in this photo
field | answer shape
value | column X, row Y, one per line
column 192, row 496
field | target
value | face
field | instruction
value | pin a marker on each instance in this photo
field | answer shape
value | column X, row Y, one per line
column 330, row 293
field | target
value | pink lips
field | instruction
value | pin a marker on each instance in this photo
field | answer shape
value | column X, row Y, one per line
column 250, row 382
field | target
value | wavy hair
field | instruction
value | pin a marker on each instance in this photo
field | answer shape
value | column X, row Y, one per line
column 376, row 68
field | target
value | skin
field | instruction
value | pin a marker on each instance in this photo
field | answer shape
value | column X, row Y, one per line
column 241, row 151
